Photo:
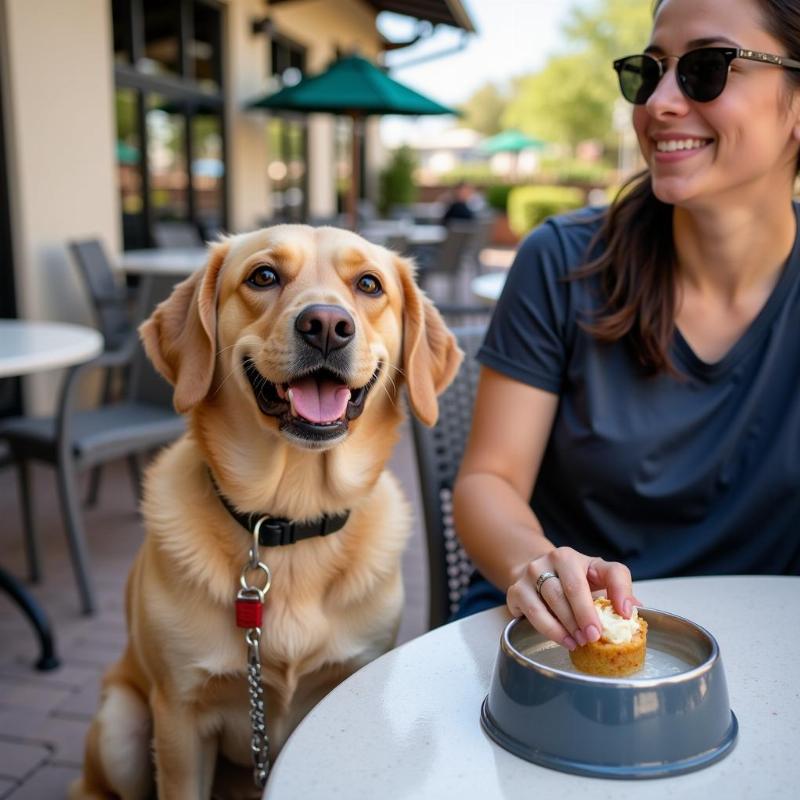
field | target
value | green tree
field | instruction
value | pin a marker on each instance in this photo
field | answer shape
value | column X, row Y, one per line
column 573, row 96
column 483, row 110
column 562, row 103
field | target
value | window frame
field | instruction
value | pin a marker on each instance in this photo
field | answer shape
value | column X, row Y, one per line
column 182, row 90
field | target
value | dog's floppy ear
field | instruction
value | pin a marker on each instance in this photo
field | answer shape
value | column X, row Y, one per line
column 180, row 335
column 431, row 357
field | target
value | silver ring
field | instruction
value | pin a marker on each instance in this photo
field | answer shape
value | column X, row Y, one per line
column 545, row 576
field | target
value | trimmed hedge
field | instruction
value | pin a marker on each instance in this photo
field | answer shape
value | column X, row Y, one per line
column 397, row 184
column 528, row 206
column 497, row 196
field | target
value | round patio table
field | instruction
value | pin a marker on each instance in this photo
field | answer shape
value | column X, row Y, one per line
column 488, row 286
column 407, row 725
column 28, row 346
column 178, row 261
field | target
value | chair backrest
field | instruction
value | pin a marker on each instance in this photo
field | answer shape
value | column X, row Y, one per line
column 398, row 242
column 145, row 384
column 464, row 315
column 108, row 298
column 176, row 234
column 439, row 450
column 451, row 253
column 483, row 227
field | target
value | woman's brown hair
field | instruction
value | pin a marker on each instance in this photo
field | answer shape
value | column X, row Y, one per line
column 637, row 267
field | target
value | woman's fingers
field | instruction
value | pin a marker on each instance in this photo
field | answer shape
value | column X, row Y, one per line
column 522, row 600
column 616, row 578
column 563, row 608
column 571, row 599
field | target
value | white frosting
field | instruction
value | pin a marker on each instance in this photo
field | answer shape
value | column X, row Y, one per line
column 616, row 629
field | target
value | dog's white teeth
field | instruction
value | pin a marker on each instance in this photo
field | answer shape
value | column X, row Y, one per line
column 281, row 391
column 290, row 398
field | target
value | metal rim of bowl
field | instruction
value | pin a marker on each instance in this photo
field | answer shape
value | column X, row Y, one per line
column 638, row 683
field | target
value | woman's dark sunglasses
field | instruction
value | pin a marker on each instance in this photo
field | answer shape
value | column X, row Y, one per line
column 702, row 73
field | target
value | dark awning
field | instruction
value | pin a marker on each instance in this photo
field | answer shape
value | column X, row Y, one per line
column 439, row 12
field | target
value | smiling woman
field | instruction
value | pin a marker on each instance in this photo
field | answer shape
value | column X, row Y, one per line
column 645, row 356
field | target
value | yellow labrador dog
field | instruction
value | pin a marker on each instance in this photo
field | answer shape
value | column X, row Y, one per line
column 287, row 352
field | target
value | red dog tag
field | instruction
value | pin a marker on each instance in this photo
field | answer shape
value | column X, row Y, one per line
column 249, row 612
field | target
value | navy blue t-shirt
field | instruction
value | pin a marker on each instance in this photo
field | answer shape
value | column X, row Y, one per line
column 687, row 475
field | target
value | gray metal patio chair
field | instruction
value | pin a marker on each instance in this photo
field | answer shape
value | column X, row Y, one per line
column 74, row 440
column 443, row 267
column 439, row 450
column 111, row 306
column 464, row 315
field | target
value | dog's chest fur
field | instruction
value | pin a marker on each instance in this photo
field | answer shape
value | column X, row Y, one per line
column 334, row 603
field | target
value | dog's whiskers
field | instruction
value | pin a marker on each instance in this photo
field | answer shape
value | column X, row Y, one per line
column 223, row 382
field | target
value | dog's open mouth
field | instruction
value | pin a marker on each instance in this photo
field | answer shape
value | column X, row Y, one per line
column 317, row 405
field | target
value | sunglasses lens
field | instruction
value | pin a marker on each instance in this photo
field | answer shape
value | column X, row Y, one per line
column 703, row 74
column 638, row 77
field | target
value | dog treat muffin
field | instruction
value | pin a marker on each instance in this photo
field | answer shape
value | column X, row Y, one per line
column 621, row 647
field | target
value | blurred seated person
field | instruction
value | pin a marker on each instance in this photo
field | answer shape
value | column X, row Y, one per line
column 464, row 205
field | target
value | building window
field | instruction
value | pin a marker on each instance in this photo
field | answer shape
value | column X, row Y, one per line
column 170, row 110
column 287, row 140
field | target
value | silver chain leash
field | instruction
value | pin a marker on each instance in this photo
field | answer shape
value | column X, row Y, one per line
column 259, row 743
column 249, row 609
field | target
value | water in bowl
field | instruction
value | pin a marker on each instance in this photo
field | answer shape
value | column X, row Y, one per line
column 657, row 663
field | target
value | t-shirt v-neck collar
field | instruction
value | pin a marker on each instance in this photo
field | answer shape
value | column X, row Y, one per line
column 754, row 333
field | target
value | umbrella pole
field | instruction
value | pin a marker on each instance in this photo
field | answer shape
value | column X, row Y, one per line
column 355, row 172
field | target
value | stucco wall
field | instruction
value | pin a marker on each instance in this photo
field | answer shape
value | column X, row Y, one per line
column 62, row 170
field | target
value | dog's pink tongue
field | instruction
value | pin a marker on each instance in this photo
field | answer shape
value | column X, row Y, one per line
column 319, row 401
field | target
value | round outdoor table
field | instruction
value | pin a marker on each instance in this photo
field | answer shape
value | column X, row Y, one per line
column 178, row 261
column 25, row 347
column 489, row 286
column 407, row 725
column 381, row 231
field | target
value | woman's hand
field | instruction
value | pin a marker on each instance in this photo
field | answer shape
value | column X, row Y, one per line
column 563, row 608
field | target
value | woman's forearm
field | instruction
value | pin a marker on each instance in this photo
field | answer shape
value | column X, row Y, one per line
column 498, row 528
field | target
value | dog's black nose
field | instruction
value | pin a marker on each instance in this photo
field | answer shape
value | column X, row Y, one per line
column 326, row 328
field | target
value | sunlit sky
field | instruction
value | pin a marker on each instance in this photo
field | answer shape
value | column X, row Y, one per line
column 514, row 37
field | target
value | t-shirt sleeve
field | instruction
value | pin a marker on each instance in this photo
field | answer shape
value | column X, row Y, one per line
column 527, row 337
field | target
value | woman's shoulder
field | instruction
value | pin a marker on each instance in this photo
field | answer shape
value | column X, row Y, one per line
column 566, row 241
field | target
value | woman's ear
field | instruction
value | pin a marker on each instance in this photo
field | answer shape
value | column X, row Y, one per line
column 180, row 335
column 431, row 356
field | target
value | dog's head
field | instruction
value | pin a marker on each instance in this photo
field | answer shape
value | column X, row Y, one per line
column 311, row 326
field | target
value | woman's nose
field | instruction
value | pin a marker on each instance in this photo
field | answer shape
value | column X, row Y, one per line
column 667, row 98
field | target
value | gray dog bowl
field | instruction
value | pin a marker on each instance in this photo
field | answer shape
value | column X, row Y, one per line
column 672, row 717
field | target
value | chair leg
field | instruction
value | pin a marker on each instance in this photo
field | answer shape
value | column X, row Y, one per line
column 94, row 487
column 32, row 549
column 76, row 536
column 136, row 476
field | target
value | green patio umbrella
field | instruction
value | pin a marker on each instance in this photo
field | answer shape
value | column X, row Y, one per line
column 354, row 87
column 510, row 141
column 127, row 153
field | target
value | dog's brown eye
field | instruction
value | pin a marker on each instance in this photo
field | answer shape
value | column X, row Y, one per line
column 263, row 278
column 369, row 284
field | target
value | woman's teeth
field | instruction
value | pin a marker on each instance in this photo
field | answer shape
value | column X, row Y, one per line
column 670, row 145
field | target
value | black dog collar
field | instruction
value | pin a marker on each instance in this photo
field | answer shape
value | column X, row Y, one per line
column 277, row 531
